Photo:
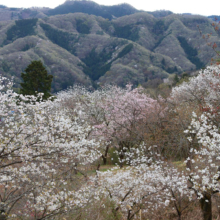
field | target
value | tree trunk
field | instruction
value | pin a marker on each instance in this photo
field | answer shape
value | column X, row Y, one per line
column 75, row 170
column 104, row 160
column 115, row 213
column 121, row 158
column 129, row 215
column 104, row 157
column 206, row 206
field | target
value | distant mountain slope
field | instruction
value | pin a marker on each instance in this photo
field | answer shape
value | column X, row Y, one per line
column 15, row 57
column 88, row 7
column 7, row 14
column 92, row 8
column 92, row 50
column 160, row 13
column 120, row 10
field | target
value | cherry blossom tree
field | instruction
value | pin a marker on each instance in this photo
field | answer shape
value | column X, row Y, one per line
column 88, row 108
column 203, row 88
column 125, row 114
column 203, row 134
column 119, row 115
column 147, row 184
column 40, row 145
column 204, row 161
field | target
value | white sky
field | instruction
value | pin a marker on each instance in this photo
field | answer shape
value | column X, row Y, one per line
column 202, row 7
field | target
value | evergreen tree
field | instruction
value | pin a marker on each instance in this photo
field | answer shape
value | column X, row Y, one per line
column 36, row 80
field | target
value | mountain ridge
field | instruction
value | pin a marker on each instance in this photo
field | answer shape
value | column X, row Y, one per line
column 140, row 48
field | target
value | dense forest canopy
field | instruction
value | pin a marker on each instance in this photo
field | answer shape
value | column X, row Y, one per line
column 85, row 43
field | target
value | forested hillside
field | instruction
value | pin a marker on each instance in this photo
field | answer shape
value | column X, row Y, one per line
column 136, row 47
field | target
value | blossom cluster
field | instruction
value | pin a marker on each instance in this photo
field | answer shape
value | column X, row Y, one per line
column 40, row 147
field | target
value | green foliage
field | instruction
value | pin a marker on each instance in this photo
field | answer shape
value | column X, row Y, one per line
column 126, row 50
column 22, row 28
column 184, row 77
column 129, row 32
column 27, row 47
column 5, row 66
column 195, row 60
column 176, row 79
column 161, row 38
column 61, row 38
column 105, row 25
column 187, row 48
column 168, row 69
column 158, row 30
column 36, row 80
column 95, row 210
column 163, row 62
column 171, row 69
column 159, row 27
column 66, row 81
column 82, row 26
column 96, row 64
column 191, row 53
column 99, row 32
column 113, row 157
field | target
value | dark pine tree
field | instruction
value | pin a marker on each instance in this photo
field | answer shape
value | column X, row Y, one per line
column 36, row 80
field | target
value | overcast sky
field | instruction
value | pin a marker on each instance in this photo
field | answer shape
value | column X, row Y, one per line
column 202, row 7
